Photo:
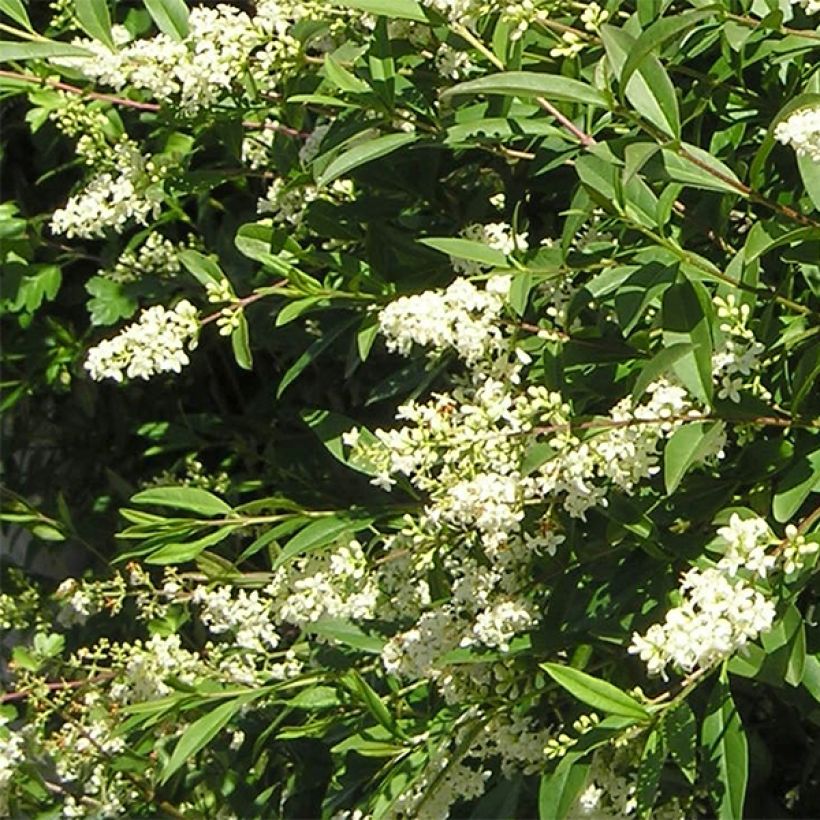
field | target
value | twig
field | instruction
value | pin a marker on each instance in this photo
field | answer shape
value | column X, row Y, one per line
column 125, row 102
column 56, row 687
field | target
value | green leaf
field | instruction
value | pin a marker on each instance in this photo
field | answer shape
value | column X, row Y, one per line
column 240, row 343
column 530, row 84
column 649, row 772
column 697, row 168
column 319, row 534
column 724, row 743
column 205, row 269
column 182, row 552
column 363, row 153
column 17, row 11
column 310, row 355
column 393, row 9
column 43, row 284
column 329, row 427
column 802, row 479
column 95, row 20
column 201, row 732
column 11, row 50
column 342, row 78
column 359, row 687
column 785, row 645
column 658, row 33
column 171, row 17
column 47, row 532
column 649, row 88
column 597, row 693
column 467, row 249
column 687, row 318
column 687, row 448
column 810, row 172
column 109, row 304
column 680, row 734
column 558, row 790
column 804, row 379
column 366, row 335
column 192, row 499
column 346, row 633
column 293, row 310
column 657, row 366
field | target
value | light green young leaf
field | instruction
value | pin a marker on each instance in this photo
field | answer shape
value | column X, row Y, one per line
column 658, row 33
column 687, row 448
column 392, row 9
column 346, row 633
column 467, row 249
column 319, row 534
column 17, row 11
column 171, row 17
column 191, row 499
column 241, row 345
column 363, row 153
column 205, row 269
column 95, row 20
column 11, row 50
column 724, row 743
column 342, row 78
column 649, row 88
column 531, row 84
column 184, row 551
column 597, row 693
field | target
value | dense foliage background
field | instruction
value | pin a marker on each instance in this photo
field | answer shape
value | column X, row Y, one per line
column 409, row 408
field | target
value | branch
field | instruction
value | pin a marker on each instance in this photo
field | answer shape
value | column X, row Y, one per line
column 125, row 102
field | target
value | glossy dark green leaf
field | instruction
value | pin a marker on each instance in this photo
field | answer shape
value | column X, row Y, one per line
column 597, row 693
column 724, row 744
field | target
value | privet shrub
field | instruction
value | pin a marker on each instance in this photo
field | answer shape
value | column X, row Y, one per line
column 420, row 397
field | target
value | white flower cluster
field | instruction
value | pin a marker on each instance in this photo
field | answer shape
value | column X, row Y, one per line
column 810, row 6
column 746, row 542
column 245, row 615
column 12, row 745
column 738, row 355
column 158, row 342
column 717, row 617
column 327, row 584
column 287, row 203
column 257, row 146
column 611, row 788
column 148, row 664
column 194, row 72
column 78, row 603
column 156, row 256
column 460, row 318
column 801, row 129
column 129, row 188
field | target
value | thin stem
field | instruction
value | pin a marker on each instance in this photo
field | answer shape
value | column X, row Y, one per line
column 607, row 424
column 713, row 270
column 57, row 686
column 125, row 102
column 585, row 139
column 752, row 23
